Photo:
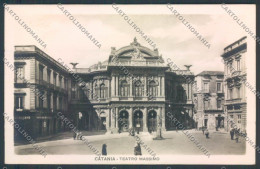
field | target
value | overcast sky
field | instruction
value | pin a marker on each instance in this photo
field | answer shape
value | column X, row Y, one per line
column 172, row 38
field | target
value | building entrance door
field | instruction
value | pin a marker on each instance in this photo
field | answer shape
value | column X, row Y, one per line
column 220, row 121
column 138, row 120
column 123, row 121
column 152, row 121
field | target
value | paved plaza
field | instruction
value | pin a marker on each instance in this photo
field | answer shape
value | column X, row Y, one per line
column 123, row 144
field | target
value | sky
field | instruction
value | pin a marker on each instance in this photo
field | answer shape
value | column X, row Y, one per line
column 172, row 38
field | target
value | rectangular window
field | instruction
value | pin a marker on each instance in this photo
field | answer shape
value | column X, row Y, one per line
column 60, row 81
column 19, row 76
column 55, row 79
column 238, row 92
column 48, row 76
column 238, row 118
column 65, row 83
column 230, row 65
column 40, row 72
column 41, row 100
column 74, row 90
column 48, row 101
column 219, row 103
column 238, row 65
column 19, row 102
column 206, row 87
column 54, row 102
column 218, row 87
column 230, row 94
column 231, row 116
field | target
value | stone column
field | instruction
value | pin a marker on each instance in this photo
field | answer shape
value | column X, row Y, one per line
column 116, row 118
column 92, row 90
column 131, row 88
column 163, row 90
column 112, row 117
column 130, row 118
column 160, row 86
column 163, row 118
column 116, row 88
column 107, row 121
column 146, row 93
column 113, row 86
column 109, row 88
column 145, row 120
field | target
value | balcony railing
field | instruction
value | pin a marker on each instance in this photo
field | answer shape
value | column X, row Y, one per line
column 231, row 101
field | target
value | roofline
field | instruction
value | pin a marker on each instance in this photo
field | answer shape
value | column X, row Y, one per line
column 235, row 42
column 47, row 56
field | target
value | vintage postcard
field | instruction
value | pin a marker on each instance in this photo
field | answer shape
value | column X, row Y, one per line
column 130, row 84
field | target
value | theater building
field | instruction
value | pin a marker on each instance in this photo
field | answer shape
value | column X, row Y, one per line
column 209, row 100
column 234, row 57
column 133, row 88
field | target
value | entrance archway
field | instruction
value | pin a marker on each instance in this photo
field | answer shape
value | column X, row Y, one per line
column 138, row 120
column 152, row 121
column 123, row 121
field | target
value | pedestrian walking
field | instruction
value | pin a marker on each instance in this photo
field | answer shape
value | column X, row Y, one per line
column 104, row 149
column 137, row 149
column 74, row 135
column 207, row 133
column 203, row 129
column 232, row 133
column 237, row 135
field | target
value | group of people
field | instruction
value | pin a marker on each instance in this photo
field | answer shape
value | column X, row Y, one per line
column 137, row 149
column 235, row 132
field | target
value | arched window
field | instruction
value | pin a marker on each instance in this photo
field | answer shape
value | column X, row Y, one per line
column 124, row 88
column 138, row 89
column 102, row 91
column 153, row 88
column 180, row 93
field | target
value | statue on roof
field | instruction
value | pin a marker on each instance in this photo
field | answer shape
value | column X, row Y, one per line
column 135, row 43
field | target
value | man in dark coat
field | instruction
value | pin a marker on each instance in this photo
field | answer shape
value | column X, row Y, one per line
column 232, row 133
column 137, row 149
column 207, row 133
column 104, row 149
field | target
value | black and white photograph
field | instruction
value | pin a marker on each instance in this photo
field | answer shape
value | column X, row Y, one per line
column 130, row 84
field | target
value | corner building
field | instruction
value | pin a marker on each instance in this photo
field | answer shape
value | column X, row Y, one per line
column 41, row 90
column 235, row 75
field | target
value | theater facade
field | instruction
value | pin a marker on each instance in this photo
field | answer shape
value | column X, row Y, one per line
column 134, row 88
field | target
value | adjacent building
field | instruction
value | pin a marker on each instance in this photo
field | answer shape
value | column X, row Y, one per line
column 234, row 57
column 41, row 90
column 209, row 100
